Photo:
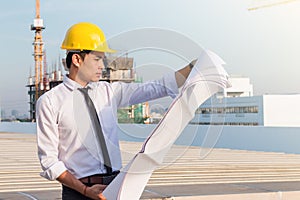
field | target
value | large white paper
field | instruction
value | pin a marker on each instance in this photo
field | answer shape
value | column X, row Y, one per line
column 207, row 77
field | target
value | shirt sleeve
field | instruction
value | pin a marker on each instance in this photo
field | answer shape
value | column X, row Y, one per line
column 47, row 140
column 134, row 93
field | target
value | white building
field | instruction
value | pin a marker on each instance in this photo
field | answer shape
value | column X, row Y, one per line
column 238, row 106
column 241, row 87
column 265, row 110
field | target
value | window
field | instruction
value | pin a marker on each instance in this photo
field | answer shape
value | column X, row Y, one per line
column 215, row 110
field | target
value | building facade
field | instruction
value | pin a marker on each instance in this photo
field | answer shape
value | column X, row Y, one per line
column 238, row 106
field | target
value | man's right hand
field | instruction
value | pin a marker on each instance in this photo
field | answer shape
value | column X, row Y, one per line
column 95, row 192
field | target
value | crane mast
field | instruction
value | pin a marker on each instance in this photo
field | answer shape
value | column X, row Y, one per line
column 38, row 44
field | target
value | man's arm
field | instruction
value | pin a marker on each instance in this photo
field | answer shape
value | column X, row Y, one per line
column 133, row 93
column 48, row 139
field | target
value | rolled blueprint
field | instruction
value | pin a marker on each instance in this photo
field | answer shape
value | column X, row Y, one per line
column 206, row 78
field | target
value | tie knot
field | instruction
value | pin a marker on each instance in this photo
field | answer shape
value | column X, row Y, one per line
column 84, row 90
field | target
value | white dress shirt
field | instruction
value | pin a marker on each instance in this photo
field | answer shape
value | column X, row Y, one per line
column 67, row 140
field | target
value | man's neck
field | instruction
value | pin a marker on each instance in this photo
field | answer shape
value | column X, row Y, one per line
column 74, row 76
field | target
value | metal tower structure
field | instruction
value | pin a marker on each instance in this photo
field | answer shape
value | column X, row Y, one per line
column 38, row 27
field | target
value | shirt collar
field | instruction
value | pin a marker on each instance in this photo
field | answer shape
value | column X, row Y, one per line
column 73, row 85
column 92, row 85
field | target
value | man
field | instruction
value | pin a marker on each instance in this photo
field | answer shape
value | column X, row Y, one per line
column 65, row 155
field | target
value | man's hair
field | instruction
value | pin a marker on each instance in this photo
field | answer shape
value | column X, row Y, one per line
column 71, row 53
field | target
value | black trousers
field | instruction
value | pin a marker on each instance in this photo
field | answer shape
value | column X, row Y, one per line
column 70, row 194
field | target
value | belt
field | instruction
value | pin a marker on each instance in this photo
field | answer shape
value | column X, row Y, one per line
column 104, row 179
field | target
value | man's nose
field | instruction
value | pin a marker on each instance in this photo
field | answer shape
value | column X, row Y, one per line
column 101, row 64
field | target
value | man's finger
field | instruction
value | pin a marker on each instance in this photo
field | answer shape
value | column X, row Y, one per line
column 102, row 197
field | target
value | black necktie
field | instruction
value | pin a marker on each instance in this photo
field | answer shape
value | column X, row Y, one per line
column 98, row 129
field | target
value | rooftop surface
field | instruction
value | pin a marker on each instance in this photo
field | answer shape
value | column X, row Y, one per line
column 217, row 174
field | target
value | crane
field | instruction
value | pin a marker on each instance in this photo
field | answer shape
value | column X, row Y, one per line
column 38, row 44
column 267, row 3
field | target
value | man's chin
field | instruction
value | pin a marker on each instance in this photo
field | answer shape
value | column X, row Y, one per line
column 96, row 79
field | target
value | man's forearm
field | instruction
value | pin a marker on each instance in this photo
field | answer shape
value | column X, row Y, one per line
column 70, row 181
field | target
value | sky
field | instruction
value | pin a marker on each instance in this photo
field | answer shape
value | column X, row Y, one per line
column 262, row 44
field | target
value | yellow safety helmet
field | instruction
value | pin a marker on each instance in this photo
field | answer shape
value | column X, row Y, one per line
column 85, row 36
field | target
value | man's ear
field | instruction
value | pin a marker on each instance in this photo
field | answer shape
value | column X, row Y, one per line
column 76, row 59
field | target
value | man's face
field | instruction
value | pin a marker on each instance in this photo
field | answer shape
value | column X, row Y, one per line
column 91, row 68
